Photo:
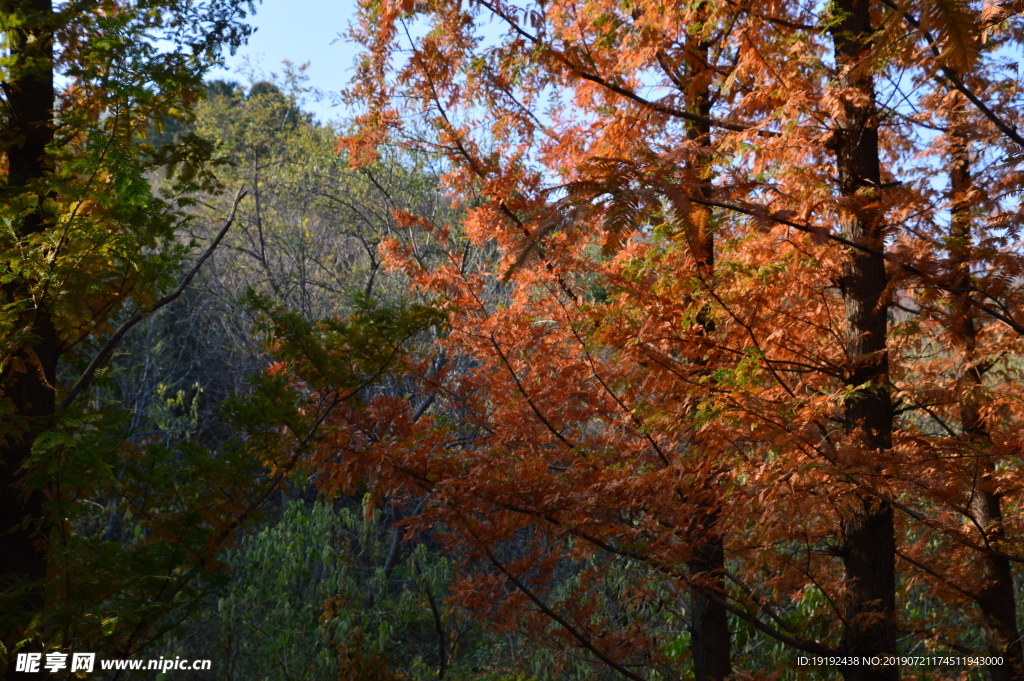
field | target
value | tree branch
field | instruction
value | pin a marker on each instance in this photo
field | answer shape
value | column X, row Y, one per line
column 954, row 79
column 86, row 378
column 583, row 640
column 579, row 72
column 1003, row 316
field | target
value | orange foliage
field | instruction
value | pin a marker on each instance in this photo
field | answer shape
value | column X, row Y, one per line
column 622, row 395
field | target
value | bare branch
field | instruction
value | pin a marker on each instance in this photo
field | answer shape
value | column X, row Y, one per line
column 86, row 378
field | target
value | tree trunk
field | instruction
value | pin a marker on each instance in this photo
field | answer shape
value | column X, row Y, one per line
column 996, row 597
column 868, row 542
column 26, row 381
column 709, row 623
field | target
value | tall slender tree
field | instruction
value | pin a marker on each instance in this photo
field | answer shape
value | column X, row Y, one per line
column 994, row 593
column 30, row 369
column 83, row 235
column 868, row 533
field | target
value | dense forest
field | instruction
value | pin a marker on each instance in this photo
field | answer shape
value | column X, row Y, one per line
column 597, row 339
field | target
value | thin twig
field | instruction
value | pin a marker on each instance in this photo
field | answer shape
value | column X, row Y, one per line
column 86, row 378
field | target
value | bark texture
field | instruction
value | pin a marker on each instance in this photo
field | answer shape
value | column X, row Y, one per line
column 995, row 597
column 27, row 381
column 709, row 623
column 868, row 542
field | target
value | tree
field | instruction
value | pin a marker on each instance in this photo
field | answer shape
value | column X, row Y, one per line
column 836, row 398
column 83, row 234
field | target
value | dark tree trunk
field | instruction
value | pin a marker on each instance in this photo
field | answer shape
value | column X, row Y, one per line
column 868, row 541
column 709, row 623
column 995, row 597
column 26, row 383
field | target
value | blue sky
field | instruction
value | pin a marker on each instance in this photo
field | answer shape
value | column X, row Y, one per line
column 299, row 31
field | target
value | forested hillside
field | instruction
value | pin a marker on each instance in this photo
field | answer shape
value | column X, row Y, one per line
column 595, row 339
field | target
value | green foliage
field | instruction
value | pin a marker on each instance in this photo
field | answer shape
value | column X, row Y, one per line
column 108, row 239
column 143, row 522
column 83, row 237
column 138, row 525
column 344, row 352
column 310, row 234
column 309, row 596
